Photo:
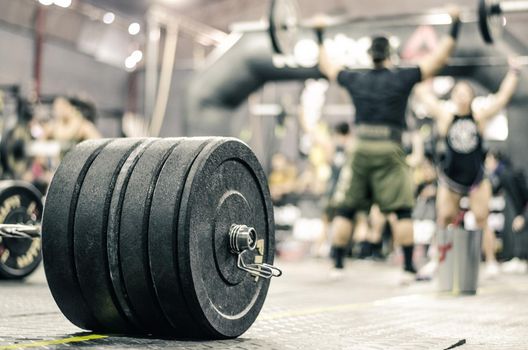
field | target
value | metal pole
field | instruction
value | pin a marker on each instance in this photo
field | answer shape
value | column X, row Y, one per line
column 151, row 64
column 40, row 28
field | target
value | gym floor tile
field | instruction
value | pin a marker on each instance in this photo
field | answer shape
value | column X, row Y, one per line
column 367, row 309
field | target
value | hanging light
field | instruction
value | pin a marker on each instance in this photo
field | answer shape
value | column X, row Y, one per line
column 134, row 28
column 63, row 3
column 109, row 18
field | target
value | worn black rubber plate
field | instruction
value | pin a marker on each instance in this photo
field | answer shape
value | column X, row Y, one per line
column 90, row 229
column 57, row 233
column 113, row 231
column 490, row 20
column 283, row 26
column 162, row 237
column 133, row 238
column 226, row 185
column 20, row 203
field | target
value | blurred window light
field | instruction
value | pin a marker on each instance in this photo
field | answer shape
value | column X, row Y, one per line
column 306, row 53
column 46, row 2
column 134, row 28
column 109, row 18
column 395, row 42
column 63, row 3
column 438, row 19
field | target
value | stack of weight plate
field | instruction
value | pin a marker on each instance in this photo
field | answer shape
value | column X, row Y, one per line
column 135, row 236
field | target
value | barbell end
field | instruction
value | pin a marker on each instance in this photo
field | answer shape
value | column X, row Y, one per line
column 20, row 231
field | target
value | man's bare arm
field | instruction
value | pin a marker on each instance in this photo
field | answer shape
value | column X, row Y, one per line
column 436, row 60
column 328, row 68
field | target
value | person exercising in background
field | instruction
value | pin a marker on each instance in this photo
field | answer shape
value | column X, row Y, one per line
column 511, row 183
column 461, row 172
column 69, row 126
column 341, row 139
column 376, row 171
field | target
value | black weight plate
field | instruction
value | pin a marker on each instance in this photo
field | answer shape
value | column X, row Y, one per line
column 89, row 238
column 226, row 185
column 283, row 26
column 162, row 237
column 114, row 227
column 491, row 23
column 133, row 238
column 13, row 150
column 57, row 233
column 20, row 203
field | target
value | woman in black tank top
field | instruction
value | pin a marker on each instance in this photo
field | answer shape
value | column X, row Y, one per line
column 461, row 172
column 462, row 167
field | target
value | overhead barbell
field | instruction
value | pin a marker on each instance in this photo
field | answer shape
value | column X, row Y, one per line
column 285, row 22
column 172, row 237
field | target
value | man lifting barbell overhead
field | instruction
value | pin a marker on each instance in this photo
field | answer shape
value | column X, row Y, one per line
column 376, row 172
column 285, row 24
column 461, row 171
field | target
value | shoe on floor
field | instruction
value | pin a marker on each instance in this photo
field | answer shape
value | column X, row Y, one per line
column 522, row 268
column 336, row 274
column 407, row 277
column 491, row 270
column 514, row 266
column 428, row 271
column 510, row 266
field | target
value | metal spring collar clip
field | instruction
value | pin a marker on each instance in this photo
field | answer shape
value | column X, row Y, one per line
column 243, row 239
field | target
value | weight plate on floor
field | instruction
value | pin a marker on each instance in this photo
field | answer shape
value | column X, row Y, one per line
column 284, row 20
column 226, row 185
column 20, row 203
column 57, row 233
column 113, row 232
column 133, row 238
column 89, row 237
column 163, row 234
column 490, row 20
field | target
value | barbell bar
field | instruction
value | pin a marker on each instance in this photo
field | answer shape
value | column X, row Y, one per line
column 285, row 21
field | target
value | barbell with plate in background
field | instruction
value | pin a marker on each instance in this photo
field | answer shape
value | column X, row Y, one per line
column 20, row 248
column 171, row 237
column 285, row 21
column 17, row 147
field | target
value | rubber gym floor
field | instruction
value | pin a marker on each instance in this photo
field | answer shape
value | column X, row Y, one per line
column 367, row 309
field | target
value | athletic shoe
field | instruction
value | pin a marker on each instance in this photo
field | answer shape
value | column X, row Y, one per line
column 336, row 274
column 427, row 272
column 522, row 268
column 491, row 270
column 407, row 277
column 510, row 266
column 514, row 266
column 376, row 256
